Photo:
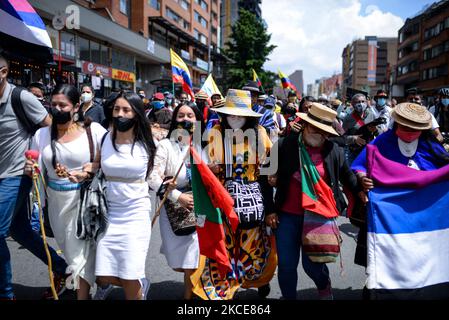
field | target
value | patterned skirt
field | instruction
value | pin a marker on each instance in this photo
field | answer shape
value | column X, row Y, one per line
column 253, row 258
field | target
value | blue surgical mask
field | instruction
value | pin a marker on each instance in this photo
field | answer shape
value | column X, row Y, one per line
column 381, row 102
column 158, row 104
column 445, row 102
column 360, row 107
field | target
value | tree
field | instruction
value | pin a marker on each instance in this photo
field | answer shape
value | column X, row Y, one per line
column 249, row 48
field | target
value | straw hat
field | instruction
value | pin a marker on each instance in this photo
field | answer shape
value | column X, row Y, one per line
column 412, row 115
column 238, row 103
column 321, row 117
column 201, row 95
column 219, row 103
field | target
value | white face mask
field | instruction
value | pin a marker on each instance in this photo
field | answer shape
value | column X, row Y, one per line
column 314, row 140
column 86, row 97
column 236, row 122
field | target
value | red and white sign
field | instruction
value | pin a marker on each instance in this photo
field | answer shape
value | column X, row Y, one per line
column 92, row 68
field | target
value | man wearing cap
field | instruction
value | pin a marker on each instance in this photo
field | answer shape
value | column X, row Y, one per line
column 292, row 98
column 159, row 116
column 410, row 143
column 266, row 120
column 285, row 215
column 381, row 109
column 441, row 112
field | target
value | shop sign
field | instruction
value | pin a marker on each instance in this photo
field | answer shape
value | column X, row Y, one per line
column 92, row 68
column 123, row 75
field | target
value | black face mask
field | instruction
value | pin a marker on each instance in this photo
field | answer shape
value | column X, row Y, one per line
column 123, row 124
column 60, row 117
column 186, row 125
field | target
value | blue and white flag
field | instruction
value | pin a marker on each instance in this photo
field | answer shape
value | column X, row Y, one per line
column 408, row 230
column 22, row 31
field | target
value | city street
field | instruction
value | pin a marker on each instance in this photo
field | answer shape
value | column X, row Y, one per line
column 30, row 276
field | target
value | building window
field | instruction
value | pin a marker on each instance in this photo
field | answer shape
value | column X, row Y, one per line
column 199, row 36
column 186, row 25
column 203, row 4
column 155, row 4
column 200, row 19
column 84, row 49
column 124, row 6
column 415, row 46
column 172, row 15
column 184, row 4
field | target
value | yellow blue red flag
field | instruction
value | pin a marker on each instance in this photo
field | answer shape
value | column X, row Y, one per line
column 181, row 74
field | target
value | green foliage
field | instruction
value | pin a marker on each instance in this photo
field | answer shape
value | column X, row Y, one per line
column 249, row 47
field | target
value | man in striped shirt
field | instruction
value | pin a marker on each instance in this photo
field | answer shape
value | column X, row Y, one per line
column 266, row 120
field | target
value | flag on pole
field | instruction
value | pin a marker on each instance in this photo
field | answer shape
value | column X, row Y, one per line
column 210, row 87
column 22, row 31
column 210, row 199
column 256, row 79
column 286, row 83
column 181, row 74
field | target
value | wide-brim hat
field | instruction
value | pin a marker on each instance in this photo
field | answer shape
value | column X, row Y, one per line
column 252, row 86
column 320, row 117
column 219, row 103
column 237, row 103
column 412, row 115
column 201, row 95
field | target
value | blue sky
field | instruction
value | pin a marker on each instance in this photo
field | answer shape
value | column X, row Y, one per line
column 401, row 8
column 311, row 35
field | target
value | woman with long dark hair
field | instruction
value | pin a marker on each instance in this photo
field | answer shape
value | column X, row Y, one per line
column 127, row 157
column 179, row 237
column 67, row 157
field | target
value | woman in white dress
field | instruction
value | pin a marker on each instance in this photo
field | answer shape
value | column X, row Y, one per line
column 127, row 157
column 181, row 251
column 68, row 160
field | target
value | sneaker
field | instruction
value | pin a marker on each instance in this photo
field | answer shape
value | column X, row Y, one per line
column 326, row 294
column 264, row 291
column 103, row 293
column 145, row 283
column 60, row 287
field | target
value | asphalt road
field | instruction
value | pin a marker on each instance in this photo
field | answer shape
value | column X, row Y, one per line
column 30, row 275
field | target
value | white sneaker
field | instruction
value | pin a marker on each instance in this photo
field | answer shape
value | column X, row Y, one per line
column 103, row 293
column 145, row 284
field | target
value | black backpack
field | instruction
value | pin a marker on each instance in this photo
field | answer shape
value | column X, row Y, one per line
column 17, row 107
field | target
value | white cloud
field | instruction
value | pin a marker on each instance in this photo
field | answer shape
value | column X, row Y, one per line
column 311, row 35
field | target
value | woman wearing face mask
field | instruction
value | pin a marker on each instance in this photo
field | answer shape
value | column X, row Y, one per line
column 236, row 161
column 410, row 142
column 286, row 214
column 127, row 157
column 89, row 108
column 181, row 251
column 66, row 157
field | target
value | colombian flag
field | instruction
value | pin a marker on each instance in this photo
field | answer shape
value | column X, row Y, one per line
column 256, row 79
column 181, row 74
column 286, row 83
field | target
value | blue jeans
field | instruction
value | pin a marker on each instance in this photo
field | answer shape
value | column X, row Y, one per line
column 288, row 243
column 14, row 220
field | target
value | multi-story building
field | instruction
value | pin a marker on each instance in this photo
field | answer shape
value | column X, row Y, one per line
column 423, row 50
column 230, row 14
column 297, row 79
column 128, row 41
column 366, row 64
